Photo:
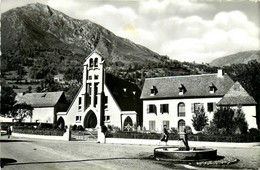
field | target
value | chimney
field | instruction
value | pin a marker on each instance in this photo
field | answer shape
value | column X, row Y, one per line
column 220, row 73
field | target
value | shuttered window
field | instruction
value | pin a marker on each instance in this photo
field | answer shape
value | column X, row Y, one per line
column 166, row 123
column 151, row 108
column 211, row 107
column 152, row 125
column 164, row 108
column 196, row 107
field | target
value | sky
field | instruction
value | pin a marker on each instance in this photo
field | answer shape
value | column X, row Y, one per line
column 185, row 30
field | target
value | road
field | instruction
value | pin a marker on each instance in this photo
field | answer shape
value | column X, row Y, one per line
column 43, row 154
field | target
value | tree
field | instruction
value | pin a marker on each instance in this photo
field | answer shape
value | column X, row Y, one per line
column 7, row 100
column 199, row 119
column 21, row 111
column 223, row 118
column 240, row 121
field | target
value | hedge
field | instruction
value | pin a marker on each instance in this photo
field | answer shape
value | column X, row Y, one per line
column 191, row 137
column 47, row 132
column 138, row 135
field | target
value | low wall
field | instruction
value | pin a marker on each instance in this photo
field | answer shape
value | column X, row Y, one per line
column 176, row 143
column 65, row 137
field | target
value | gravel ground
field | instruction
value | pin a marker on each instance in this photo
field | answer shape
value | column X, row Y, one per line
column 44, row 154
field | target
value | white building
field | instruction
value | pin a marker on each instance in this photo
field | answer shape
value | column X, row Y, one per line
column 171, row 101
column 45, row 105
column 103, row 99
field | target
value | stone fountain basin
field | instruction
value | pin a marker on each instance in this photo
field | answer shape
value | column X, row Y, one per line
column 177, row 154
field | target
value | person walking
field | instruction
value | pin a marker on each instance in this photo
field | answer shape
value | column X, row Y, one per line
column 165, row 135
column 9, row 131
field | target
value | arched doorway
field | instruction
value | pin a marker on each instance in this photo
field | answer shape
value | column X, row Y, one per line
column 128, row 124
column 181, row 125
column 90, row 120
column 61, row 123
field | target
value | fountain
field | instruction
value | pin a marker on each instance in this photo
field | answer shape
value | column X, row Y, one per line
column 183, row 152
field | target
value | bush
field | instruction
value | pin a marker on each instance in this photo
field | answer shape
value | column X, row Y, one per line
column 138, row 135
column 223, row 118
column 199, row 119
column 240, row 122
column 74, row 127
column 48, row 132
column 191, row 137
column 254, row 132
column 188, row 130
column 80, row 128
column 174, row 130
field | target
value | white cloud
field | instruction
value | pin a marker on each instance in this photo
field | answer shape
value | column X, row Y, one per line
column 111, row 17
column 225, row 34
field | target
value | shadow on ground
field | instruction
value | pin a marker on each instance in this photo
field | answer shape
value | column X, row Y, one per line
column 6, row 161
column 13, row 140
column 69, row 161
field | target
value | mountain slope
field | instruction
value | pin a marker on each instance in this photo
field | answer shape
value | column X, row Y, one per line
column 38, row 26
column 241, row 57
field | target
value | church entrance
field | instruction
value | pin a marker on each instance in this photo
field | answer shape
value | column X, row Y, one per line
column 90, row 120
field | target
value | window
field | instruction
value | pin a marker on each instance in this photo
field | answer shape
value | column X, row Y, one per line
column 96, row 77
column 90, row 77
column 152, row 125
column 166, row 123
column 95, row 93
column 164, row 108
column 79, row 105
column 96, row 62
column 79, row 100
column 212, row 88
column 211, row 107
column 151, row 108
column 182, row 89
column 89, row 89
column 153, row 91
column 181, row 125
column 181, row 109
column 107, row 118
column 196, row 107
column 91, row 62
column 78, row 118
column 79, row 108
column 105, row 102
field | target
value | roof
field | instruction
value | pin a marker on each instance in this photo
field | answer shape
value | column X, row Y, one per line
column 195, row 86
column 126, row 94
column 47, row 99
column 237, row 95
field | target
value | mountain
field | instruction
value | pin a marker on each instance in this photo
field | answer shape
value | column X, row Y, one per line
column 241, row 57
column 39, row 42
column 37, row 27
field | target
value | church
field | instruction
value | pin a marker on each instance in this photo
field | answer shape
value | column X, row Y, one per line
column 103, row 99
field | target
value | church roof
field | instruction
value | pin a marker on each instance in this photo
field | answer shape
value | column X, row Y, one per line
column 194, row 85
column 237, row 95
column 46, row 99
column 126, row 94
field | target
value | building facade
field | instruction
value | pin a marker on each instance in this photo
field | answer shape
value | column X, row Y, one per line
column 172, row 101
column 45, row 105
column 103, row 99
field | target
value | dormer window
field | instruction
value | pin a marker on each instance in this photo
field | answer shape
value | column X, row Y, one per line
column 182, row 89
column 212, row 88
column 153, row 91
